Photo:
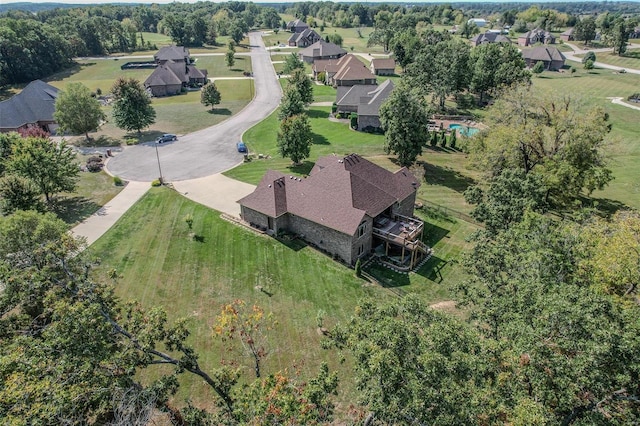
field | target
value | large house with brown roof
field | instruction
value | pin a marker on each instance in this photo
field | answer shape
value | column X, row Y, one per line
column 175, row 70
column 365, row 100
column 536, row 36
column 345, row 71
column 550, row 56
column 304, row 38
column 32, row 107
column 383, row 66
column 347, row 207
column 321, row 50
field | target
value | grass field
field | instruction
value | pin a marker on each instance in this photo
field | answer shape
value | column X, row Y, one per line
column 631, row 59
column 161, row 265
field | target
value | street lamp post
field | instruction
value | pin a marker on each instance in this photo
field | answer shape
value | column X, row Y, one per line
column 159, row 169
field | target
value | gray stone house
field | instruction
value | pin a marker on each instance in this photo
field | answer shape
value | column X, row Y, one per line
column 550, row 56
column 32, row 107
column 321, row 50
column 365, row 100
column 347, row 207
column 304, row 38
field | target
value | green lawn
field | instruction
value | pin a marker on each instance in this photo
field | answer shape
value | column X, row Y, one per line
column 631, row 59
column 161, row 265
column 217, row 67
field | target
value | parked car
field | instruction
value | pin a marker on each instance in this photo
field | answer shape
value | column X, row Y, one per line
column 166, row 138
column 242, row 147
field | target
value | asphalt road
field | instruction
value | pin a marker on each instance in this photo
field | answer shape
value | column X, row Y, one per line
column 211, row 150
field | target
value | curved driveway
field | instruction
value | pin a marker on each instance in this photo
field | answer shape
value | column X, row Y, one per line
column 211, row 150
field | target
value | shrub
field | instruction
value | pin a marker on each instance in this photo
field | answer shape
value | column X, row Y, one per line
column 538, row 67
column 353, row 120
column 131, row 141
column 94, row 164
column 322, row 77
column 588, row 65
column 334, row 108
column 117, row 181
column 156, row 182
column 589, row 56
column 358, row 268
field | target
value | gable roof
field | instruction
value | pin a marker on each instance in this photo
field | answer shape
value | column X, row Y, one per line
column 568, row 32
column 36, row 102
column 172, row 53
column 351, row 68
column 537, row 32
column 384, row 63
column 337, row 194
column 322, row 48
column 166, row 74
column 490, row 37
column 377, row 97
column 297, row 23
column 543, row 53
column 306, row 33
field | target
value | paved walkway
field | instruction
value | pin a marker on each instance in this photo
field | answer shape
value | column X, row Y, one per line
column 96, row 225
column 216, row 191
column 577, row 51
column 619, row 101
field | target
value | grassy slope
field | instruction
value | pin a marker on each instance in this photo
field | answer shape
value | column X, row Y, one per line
column 161, row 266
column 631, row 59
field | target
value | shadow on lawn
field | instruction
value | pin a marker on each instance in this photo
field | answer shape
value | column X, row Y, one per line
column 437, row 175
column 432, row 269
column 433, row 234
column 74, row 209
column 303, row 168
column 319, row 139
column 220, row 111
column 317, row 113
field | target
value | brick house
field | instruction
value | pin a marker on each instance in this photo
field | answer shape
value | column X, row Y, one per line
column 347, row 207
column 536, row 36
column 489, row 37
column 304, row 38
column 297, row 26
column 365, row 100
column 174, row 71
column 346, row 71
column 321, row 50
column 383, row 66
column 550, row 56
column 32, row 107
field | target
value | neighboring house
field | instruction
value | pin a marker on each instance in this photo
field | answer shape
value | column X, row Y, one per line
column 478, row 21
column 347, row 207
column 351, row 71
column 304, row 38
column 321, row 50
column 365, row 100
column 489, row 37
column 550, row 56
column 297, row 26
column 32, row 107
column 174, row 71
column 536, row 36
column 567, row 35
column 383, row 66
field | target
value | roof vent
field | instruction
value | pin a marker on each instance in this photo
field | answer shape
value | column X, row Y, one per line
column 269, row 185
column 290, row 177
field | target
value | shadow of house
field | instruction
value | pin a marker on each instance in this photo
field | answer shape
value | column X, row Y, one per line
column 174, row 72
column 346, row 207
column 32, row 107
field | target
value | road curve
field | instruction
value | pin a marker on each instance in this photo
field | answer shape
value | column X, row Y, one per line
column 211, row 150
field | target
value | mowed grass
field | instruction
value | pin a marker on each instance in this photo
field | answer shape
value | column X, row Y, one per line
column 160, row 265
column 631, row 59
column 217, row 66
column 623, row 150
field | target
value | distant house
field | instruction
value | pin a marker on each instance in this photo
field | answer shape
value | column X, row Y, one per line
column 32, row 107
column 478, row 21
column 567, row 35
column 347, row 207
column 365, row 100
column 550, row 56
column 304, row 38
column 297, row 26
column 536, row 36
column 489, row 37
column 382, row 66
column 174, row 71
column 321, row 50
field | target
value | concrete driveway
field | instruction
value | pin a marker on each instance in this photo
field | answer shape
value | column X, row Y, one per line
column 210, row 150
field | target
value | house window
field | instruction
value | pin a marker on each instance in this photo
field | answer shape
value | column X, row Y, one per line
column 360, row 249
column 361, row 229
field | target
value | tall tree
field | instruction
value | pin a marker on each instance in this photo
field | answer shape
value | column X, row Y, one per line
column 292, row 62
column 404, row 119
column 210, row 95
column 585, row 30
column 132, row 109
column 291, row 104
column 383, row 30
column 17, row 193
column 302, row 84
column 294, row 138
column 52, row 167
column 77, row 111
column 552, row 136
column 495, row 66
column 230, row 58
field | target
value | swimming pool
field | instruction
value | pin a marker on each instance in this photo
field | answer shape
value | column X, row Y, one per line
column 464, row 130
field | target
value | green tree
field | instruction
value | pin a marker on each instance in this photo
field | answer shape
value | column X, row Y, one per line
column 588, row 64
column 210, row 95
column 336, row 39
column 552, row 136
column 405, row 45
column 585, row 30
column 302, row 84
column 538, row 68
column 295, row 138
column 509, row 196
column 618, row 36
column 237, row 29
column 383, row 30
column 404, row 119
column 467, row 29
column 230, row 58
column 589, row 56
column 17, row 193
column 7, row 141
column 291, row 63
column 132, row 109
column 77, row 111
column 291, row 104
column 453, row 139
column 52, row 167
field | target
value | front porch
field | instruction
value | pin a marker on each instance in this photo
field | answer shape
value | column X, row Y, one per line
column 401, row 240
